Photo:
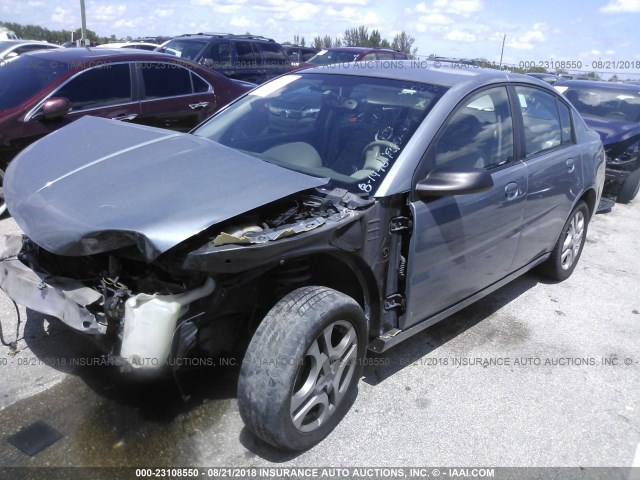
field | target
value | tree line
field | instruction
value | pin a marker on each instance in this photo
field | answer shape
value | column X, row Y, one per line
column 360, row 37
column 36, row 32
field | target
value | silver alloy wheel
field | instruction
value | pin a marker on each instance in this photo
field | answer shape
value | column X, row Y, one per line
column 573, row 240
column 324, row 376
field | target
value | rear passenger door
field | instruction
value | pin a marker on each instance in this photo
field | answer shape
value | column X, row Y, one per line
column 172, row 96
column 553, row 162
column 462, row 244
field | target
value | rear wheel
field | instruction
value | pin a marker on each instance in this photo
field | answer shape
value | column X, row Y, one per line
column 300, row 374
column 568, row 248
column 629, row 188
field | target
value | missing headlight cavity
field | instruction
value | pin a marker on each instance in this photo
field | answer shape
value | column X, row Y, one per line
column 280, row 220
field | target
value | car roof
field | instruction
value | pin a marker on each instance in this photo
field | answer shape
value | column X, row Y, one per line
column 26, row 42
column 85, row 55
column 621, row 87
column 542, row 75
column 425, row 71
column 359, row 49
column 126, row 44
column 224, row 36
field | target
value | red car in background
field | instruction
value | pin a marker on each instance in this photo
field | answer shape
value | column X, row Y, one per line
column 44, row 91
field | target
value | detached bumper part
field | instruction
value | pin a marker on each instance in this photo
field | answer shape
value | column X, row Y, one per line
column 63, row 298
column 149, row 320
column 149, row 323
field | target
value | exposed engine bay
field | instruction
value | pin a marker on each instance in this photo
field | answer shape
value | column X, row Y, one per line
column 207, row 294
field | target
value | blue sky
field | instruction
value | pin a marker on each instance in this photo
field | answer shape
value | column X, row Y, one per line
column 537, row 31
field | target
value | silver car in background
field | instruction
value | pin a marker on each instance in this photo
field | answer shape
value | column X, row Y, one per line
column 324, row 213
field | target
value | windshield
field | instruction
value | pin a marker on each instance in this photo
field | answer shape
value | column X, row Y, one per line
column 22, row 77
column 350, row 129
column 183, row 48
column 326, row 57
column 605, row 103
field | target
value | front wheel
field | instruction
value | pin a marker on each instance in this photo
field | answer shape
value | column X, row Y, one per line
column 567, row 250
column 300, row 374
column 629, row 188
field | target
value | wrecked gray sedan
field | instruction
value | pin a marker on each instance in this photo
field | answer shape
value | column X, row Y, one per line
column 324, row 213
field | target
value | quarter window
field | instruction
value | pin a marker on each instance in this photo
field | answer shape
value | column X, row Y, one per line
column 565, row 123
column 541, row 119
column 272, row 54
column 479, row 134
column 99, row 87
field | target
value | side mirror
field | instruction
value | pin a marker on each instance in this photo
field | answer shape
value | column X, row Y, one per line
column 55, row 107
column 10, row 55
column 440, row 183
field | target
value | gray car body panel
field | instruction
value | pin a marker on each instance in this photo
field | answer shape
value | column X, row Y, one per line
column 109, row 185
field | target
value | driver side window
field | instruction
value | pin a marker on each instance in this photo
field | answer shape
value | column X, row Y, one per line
column 479, row 134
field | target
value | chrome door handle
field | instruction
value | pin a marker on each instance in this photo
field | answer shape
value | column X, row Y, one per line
column 195, row 106
column 125, row 118
column 571, row 165
column 511, row 191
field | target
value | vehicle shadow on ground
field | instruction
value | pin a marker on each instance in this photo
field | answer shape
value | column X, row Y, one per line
column 156, row 398
column 382, row 366
column 159, row 401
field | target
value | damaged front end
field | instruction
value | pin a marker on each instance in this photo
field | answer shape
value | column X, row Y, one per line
column 206, row 295
column 94, row 296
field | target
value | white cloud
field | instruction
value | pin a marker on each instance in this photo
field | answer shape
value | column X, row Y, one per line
column 436, row 19
column 228, row 8
column 302, row 11
column 459, row 36
column 105, row 13
column 621, row 6
column 527, row 40
column 242, row 22
column 163, row 13
column 458, row 7
column 63, row 16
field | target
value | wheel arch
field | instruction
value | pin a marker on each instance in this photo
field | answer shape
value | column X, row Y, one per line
column 348, row 274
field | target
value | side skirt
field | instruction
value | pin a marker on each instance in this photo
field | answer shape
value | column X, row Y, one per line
column 394, row 336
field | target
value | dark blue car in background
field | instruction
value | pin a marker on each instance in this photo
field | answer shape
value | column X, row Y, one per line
column 613, row 110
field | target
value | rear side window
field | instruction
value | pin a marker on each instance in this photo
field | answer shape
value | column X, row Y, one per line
column 165, row 80
column 245, row 54
column 542, row 130
column 217, row 55
column 272, row 54
column 99, row 87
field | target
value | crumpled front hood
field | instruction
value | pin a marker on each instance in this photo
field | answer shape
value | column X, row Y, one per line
column 612, row 131
column 98, row 185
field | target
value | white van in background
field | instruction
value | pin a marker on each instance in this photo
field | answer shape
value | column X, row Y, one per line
column 7, row 34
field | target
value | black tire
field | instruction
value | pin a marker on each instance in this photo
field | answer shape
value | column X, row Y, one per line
column 629, row 188
column 568, row 248
column 281, row 368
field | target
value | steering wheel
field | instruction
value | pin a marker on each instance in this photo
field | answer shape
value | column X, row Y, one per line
column 380, row 143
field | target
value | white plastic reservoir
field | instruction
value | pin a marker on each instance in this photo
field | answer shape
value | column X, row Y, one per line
column 149, row 323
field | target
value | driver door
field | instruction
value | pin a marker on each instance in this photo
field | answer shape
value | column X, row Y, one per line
column 464, row 243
